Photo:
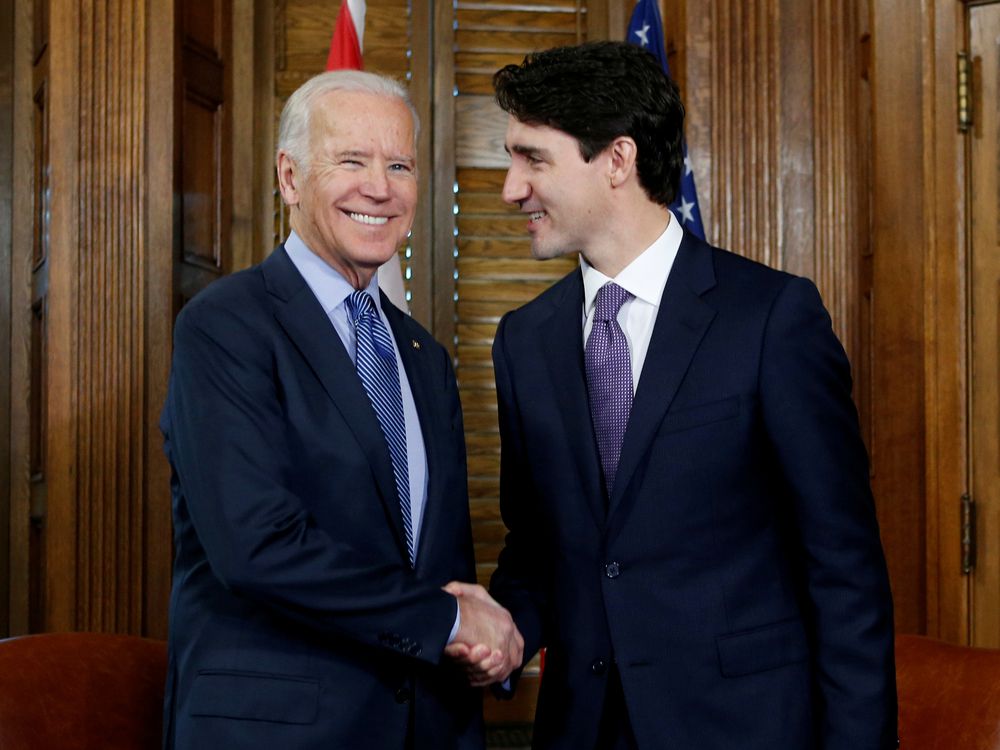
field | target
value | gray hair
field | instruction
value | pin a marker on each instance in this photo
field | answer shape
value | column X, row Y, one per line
column 293, row 129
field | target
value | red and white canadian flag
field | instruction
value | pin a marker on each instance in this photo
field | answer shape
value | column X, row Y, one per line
column 346, row 48
column 348, row 37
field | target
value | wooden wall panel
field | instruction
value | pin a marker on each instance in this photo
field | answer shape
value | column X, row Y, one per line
column 20, row 320
column 60, row 518
column 102, row 517
column 745, row 107
column 899, row 236
column 984, row 328
column 772, row 91
column 918, row 309
column 945, row 397
column 103, row 520
column 6, row 221
column 160, row 239
column 206, row 131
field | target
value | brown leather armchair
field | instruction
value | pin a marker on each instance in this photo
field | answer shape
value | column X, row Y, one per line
column 81, row 690
column 949, row 696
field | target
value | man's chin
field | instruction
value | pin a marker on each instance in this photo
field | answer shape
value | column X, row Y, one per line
column 545, row 252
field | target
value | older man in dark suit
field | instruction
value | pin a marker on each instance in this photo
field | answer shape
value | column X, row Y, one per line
column 691, row 530
column 319, row 485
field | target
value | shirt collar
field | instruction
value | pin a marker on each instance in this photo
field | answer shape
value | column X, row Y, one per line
column 330, row 288
column 645, row 276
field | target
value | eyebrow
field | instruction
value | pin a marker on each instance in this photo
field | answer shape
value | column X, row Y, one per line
column 528, row 151
column 367, row 155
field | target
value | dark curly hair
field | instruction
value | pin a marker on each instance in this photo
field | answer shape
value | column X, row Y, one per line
column 597, row 92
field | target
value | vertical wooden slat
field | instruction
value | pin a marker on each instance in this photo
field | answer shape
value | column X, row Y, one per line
column 156, row 281
column 61, row 520
column 109, row 495
column 946, row 395
column 422, row 281
column 442, row 324
column 6, row 288
column 899, row 223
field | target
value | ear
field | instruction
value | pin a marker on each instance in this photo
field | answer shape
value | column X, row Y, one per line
column 622, row 153
column 288, row 177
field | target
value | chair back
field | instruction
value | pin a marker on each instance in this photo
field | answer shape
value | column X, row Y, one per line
column 80, row 691
column 949, row 696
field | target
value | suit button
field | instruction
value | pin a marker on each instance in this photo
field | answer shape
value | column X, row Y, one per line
column 402, row 695
column 612, row 570
column 599, row 667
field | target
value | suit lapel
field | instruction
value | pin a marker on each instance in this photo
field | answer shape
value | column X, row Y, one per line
column 681, row 323
column 560, row 338
column 305, row 322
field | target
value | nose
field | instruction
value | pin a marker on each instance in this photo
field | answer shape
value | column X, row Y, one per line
column 515, row 187
column 376, row 183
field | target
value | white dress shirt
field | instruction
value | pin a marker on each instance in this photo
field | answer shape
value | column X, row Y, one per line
column 645, row 277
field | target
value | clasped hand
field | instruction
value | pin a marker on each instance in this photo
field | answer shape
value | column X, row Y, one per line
column 488, row 643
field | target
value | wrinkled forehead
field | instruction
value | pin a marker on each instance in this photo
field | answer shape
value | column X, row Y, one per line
column 362, row 114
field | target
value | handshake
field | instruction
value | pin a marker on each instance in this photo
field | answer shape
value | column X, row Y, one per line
column 488, row 643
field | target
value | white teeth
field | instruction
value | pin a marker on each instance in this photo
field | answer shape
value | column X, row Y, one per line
column 536, row 215
column 366, row 219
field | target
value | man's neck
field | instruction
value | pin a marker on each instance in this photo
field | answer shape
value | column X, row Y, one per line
column 627, row 238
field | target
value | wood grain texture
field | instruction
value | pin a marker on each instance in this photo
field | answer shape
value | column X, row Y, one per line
column 442, row 322
column 773, row 137
column 6, row 222
column 899, row 229
column 60, row 526
column 480, row 126
column 22, row 232
column 109, row 320
column 160, row 144
column 837, row 237
column 984, row 47
column 946, row 395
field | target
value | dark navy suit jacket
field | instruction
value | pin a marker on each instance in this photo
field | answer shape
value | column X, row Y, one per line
column 735, row 574
column 296, row 619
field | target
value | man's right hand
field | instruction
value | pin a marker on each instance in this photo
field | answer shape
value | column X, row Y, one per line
column 488, row 643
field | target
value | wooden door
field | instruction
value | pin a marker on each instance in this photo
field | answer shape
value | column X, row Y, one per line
column 205, row 144
column 984, row 234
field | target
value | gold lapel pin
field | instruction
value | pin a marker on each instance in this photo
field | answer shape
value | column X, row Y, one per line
column 416, row 344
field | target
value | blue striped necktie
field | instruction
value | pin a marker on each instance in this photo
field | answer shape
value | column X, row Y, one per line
column 376, row 365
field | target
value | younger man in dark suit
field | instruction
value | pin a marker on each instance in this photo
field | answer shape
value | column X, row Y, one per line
column 691, row 530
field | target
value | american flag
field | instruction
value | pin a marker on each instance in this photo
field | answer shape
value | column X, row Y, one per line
column 646, row 30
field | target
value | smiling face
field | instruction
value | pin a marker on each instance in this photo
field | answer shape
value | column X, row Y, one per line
column 565, row 197
column 354, row 204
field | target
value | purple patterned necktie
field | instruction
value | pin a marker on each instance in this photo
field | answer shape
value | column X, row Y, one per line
column 609, row 378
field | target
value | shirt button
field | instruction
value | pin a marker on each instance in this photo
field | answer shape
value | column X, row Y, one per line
column 599, row 667
column 402, row 695
column 612, row 570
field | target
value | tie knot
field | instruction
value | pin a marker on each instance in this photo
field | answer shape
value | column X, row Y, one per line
column 610, row 299
column 359, row 304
